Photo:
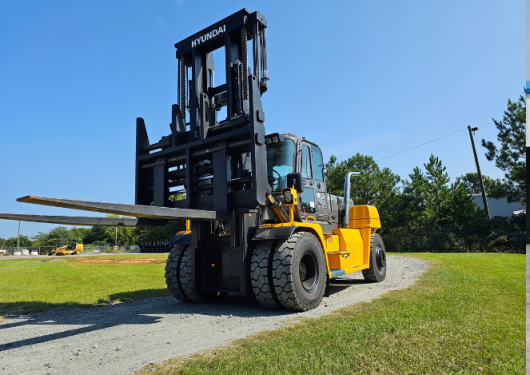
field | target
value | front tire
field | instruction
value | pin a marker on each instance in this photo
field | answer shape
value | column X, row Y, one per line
column 179, row 278
column 299, row 272
column 377, row 270
column 261, row 275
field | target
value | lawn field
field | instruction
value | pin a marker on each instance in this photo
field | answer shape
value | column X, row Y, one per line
column 33, row 285
column 466, row 314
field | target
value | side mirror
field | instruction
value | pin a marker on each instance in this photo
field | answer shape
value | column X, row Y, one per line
column 296, row 180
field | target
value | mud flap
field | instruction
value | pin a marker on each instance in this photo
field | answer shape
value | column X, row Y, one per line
column 274, row 233
column 180, row 239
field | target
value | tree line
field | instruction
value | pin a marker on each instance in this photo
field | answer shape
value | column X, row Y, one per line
column 97, row 235
column 429, row 206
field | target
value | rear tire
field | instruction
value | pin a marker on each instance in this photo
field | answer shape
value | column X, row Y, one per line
column 261, row 275
column 299, row 272
column 173, row 273
column 179, row 278
column 377, row 270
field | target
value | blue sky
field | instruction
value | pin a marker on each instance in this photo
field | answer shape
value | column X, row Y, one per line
column 368, row 77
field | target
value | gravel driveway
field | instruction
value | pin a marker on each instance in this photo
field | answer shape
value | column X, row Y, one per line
column 122, row 338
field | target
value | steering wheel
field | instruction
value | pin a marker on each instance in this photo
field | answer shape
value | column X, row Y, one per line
column 273, row 180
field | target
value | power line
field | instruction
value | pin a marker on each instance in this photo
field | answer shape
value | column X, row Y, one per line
column 30, row 223
column 412, row 148
column 38, row 225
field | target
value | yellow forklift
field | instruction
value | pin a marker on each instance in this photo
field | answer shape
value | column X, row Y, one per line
column 260, row 218
column 67, row 248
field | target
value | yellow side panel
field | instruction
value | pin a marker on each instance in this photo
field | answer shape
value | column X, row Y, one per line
column 366, row 234
column 364, row 217
column 351, row 249
column 332, row 244
column 332, row 252
column 363, row 212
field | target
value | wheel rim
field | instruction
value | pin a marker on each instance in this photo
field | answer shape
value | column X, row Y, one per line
column 380, row 258
column 308, row 271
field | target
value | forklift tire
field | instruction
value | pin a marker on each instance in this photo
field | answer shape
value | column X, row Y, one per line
column 299, row 272
column 173, row 273
column 261, row 275
column 179, row 278
column 377, row 270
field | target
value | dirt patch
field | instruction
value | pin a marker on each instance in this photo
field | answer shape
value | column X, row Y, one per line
column 122, row 261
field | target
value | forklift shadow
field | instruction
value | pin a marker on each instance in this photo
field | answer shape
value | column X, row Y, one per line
column 338, row 285
column 84, row 318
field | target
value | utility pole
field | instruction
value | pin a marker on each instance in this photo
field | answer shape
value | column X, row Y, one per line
column 116, row 240
column 471, row 130
column 18, row 237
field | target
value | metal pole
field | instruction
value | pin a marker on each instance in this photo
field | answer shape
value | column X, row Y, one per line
column 18, row 237
column 478, row 171
column 116, row 236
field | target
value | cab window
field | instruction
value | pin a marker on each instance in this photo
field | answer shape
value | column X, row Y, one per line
column 308, row 201
column 280, row 162
column 318, row 163
column 306, row 162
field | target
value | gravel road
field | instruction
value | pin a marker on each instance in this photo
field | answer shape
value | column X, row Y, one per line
column 122, row 338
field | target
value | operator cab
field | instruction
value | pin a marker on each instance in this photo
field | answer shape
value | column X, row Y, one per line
column 297, row 155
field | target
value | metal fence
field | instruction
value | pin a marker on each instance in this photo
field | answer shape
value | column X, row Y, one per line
column 160, row 246
column 446, row 242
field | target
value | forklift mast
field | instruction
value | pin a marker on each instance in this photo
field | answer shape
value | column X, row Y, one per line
column 211, row 164
column 206, row 164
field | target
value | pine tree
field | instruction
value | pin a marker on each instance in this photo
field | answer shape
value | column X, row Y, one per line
column 511, row 157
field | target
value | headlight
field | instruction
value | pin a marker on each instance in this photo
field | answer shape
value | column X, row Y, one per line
column 288, row 197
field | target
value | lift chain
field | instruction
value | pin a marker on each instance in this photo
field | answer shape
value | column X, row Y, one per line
column 244, row 60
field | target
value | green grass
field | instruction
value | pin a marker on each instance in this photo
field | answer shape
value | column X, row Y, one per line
column 465, row 315
column 28, row 286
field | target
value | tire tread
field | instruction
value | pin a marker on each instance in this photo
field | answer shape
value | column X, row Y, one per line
column 260, row 275
column 173, row 273
column 282, row 274
column 370, row 274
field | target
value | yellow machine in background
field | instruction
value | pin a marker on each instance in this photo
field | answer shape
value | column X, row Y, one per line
column 63, row 248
